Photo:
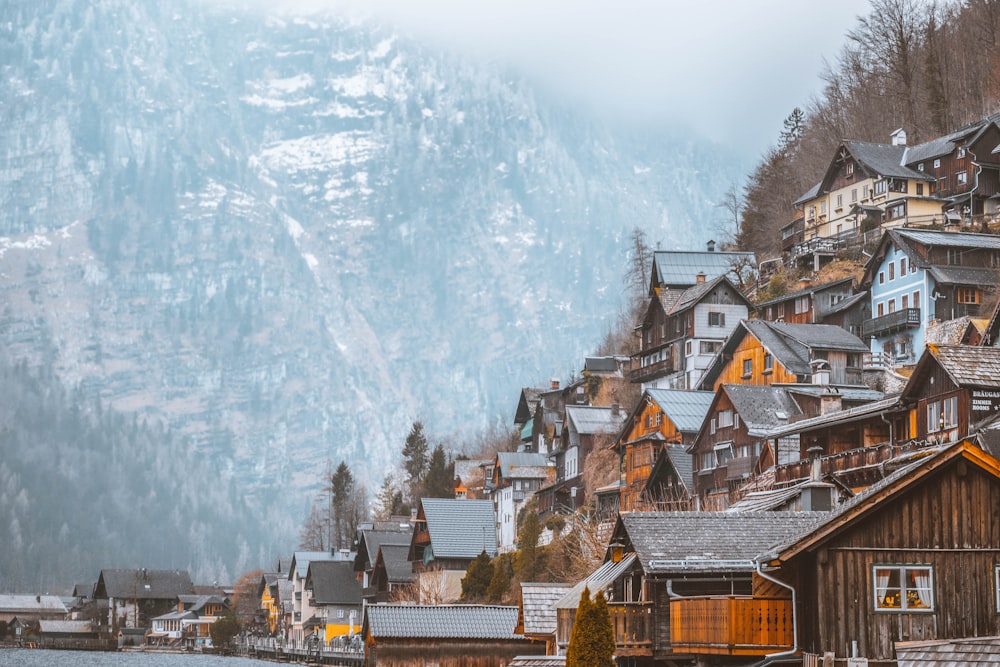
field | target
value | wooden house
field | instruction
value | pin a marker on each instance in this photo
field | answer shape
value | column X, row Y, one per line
column 917, row 276
column 447, row 536
column 809, row 304
column 132, row 598
column 336, row 596
column 661, row 426
column 729, row 444
column 657, row 561
column 443, row 635
column 682, row 331
column 953, row 388
column 764, row 353
column 913, row 558
column 32, row 608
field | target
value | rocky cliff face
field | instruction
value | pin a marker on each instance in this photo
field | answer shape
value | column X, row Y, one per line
column 286, row 238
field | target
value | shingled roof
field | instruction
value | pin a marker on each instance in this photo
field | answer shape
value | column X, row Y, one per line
column 143, row 584
column 395, row 560
column 384, row 621
column 685, row 409
column 676, row 268
column 708, row 541
column 762, row 408
column 538, row 611
column 966, row 365
column 371, row 540
column 460, row 529
column 334, row 582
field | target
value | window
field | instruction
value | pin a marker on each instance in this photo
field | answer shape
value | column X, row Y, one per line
column 850, row 168
column 725, row 418
column 902, row 267
column 881, row 310
column 709, row 347
column 996, row 584
column 961, row 178
column 937, row 164
column 812, row 212
column 969, row 295
column 881, row 277
column 881, row 186
column 802, row 304
column 854, row 195
column 892, row 271
column 954, row 256
column 916, row 298
column 768, row 362
column 942, row 415
column 961, row 152
column 340, row 613
column 723, row 453
column 920, row 189
column 747, row 367
column 904, row 302
column 688, row 348
column 903, row 587
column 822, row 207
column 920, row 167
column 708, row 460
column 716, row 319
column 712, row 425
column 896, row 211
column 864, row 191
column 840, row 201
column 892, row 305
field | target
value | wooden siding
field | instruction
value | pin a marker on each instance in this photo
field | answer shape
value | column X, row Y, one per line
column 731, row 625
column 944, row 523
column 637, row 459
column 751, row 348
column 448, row 653
column 718, row 479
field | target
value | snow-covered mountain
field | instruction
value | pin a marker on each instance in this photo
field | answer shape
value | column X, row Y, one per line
column 287, row 238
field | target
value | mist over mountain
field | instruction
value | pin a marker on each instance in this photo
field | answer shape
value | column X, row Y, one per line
column 282, row 239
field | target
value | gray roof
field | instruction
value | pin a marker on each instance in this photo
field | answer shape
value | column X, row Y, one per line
column 681, row 268
column 592, row 419
column 766, row 501
column 791, row 344
column 538, row 661
column 849, row 392
column 398, row 568
column 944, row 145
column 709, row 541
column 334, row 582
column 145, row 584
column 301, row 559
column 933, row 237
column 384, row 621
column 839, row 417
column 949, row 652
column 67, row 627
column 197, row 602
column 598, row 580
column 884, row 160
column 600, row 364
column 686, row 409
column 523, row 465
column 682, row 462
column 968, row 365
column 371, row 540
column 963, row 275
column 538, row 602
column 812, row 289
column 31, row 604
column 692, row 295
column 460, row 528
column 762, row 408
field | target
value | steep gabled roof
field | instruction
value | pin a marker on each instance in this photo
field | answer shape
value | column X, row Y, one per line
column 830, row 419
column 143, row 584
column 522, row 465
column 707, row 541
column 395, row 559
column 371, row 540
column 693, row 295
column 538, row 610
column 676, row 268
column 31, row 604
column 884, row 160
column 762, row 408
column 334, row 583
column 926, row 462
column 598, row 580
column 676, row 456
column 686, row 409
column 460, row 529
column 966, row 366
column 812, row 289
column 592, row 419
column 408, row 621
column 301, row 559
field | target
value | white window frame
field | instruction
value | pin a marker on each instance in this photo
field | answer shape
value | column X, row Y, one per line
column 882, row 588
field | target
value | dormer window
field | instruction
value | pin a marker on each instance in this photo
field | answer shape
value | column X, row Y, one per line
column 937, row 164
column 961, row 152
column 920, row 167
column 850, row 168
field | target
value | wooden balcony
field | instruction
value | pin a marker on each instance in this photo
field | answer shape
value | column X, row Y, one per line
column 891, row 323
column 730, row 625
column 633, row 624
column 650, row 371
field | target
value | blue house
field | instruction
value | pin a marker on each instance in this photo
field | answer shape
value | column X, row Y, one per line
column 917, row 277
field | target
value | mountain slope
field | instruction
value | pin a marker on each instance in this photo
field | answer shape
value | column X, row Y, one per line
column 286, row 238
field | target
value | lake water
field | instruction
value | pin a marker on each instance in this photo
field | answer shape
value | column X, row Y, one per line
column 15, row 657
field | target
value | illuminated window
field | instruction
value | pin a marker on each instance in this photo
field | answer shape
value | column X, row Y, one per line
column 967, row 295
column 903, row 588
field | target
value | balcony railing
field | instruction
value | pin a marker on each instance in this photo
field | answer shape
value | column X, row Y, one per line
column 657, row 369
column 633, row 624
column 886, row 324
column 730, row 625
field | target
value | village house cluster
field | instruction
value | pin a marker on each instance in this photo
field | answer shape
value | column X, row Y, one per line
column 808, row 478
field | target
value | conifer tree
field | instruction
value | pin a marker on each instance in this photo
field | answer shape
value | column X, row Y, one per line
column 592, row 641
column 477, row 578
column 440, row 479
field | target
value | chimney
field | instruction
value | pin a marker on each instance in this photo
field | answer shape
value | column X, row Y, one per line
column 898, row 137
column 554, row 383
column 815, row 463
column 711, row 246
column 830, row 401
column 820, row 371
column 805, row 282
column 700, row 278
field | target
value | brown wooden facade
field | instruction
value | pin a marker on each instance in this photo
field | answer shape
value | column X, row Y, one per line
column 937, row 518
column 764, row 369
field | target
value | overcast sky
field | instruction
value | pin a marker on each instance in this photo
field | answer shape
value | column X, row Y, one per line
column 730, row 69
